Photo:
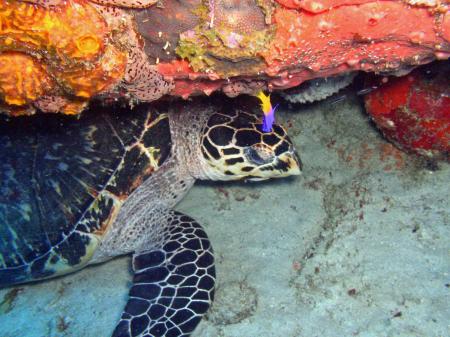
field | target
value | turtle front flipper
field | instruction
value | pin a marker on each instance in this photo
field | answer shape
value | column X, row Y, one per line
column 173, row 286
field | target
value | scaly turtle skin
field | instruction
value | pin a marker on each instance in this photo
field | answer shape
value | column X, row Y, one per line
column 105, row 185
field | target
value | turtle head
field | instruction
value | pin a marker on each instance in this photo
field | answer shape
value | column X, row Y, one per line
column 233, row 147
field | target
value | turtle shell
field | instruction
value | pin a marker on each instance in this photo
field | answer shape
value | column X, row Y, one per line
column 63, row 181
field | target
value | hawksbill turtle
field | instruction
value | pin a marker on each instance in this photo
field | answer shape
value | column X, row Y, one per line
column 80, row 192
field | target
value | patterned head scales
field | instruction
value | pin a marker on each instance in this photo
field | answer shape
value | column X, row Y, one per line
column 234, row 147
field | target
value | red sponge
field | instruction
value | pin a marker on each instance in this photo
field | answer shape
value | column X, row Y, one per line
column 414, row 111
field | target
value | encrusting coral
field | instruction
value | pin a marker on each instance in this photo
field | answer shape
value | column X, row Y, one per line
column 56, row 56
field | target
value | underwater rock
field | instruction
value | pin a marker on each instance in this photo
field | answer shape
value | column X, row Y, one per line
column 317, row 89
column 58, row 56
column 414, row 111
column 299, row 45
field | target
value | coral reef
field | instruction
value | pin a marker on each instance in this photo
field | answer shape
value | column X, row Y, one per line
column 305, row 40
column 64, row 54
column 228, row 40
column 161, row 27
column 117, row 3
column 56, row 59
column 317, row 89
column 414, row 111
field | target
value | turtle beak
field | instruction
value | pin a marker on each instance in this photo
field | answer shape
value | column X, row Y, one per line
column 289, row 164
column 255, row 179
column 298, row 162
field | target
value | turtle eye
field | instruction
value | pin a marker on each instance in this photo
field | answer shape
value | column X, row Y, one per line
column 258, row 155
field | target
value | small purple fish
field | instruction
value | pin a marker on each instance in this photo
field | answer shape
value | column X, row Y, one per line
column 268, row 110
column 269, row 119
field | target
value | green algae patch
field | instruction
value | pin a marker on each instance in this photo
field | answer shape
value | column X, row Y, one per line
column 221, row 48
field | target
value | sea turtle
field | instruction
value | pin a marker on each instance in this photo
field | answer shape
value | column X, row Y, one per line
column 79, row 192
